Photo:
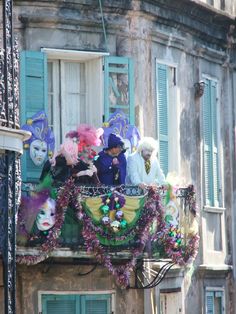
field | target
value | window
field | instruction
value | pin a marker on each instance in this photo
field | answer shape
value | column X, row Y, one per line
column 76, row 304
column 210, row 142
column 166, row 117
column 222, row 4
column 214, row 301
column 211, row 2
column 75, row 90
column 72, row 87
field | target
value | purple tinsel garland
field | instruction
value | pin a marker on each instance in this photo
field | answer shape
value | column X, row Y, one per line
column 122, row 273
column 181, row 253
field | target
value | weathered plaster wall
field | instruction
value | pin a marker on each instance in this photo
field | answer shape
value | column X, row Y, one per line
column 65, row 277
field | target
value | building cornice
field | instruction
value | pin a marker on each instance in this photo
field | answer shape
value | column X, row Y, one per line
column 211, row 270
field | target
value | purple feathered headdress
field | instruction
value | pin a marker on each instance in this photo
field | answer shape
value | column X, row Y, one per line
column 118, row 123
column 38, row 126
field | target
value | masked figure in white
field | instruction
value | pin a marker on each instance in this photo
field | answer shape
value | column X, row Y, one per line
column 143, row 167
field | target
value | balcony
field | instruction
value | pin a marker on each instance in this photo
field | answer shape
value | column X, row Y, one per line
column 120, row 228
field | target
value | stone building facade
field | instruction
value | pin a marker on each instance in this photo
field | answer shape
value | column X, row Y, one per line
column 183, row 57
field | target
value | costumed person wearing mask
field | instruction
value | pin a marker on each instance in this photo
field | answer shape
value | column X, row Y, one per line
column 75, row 158
column 111, row 162
column 143, row 167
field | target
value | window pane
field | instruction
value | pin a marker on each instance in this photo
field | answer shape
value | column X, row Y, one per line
column 74, row 96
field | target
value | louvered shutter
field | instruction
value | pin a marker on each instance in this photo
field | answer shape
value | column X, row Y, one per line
column 219, row 297
column 209, row 302
column 208, row 175
column 215, row 169
column 211, row 170
column 60, row 304
column 96, row 304
column 33, row 98
column 119, row 86
column 162, row 114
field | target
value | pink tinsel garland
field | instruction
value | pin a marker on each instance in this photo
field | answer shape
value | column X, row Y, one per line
column 180, row 254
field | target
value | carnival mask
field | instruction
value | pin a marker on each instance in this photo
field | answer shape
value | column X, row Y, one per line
column 46, row 217
column 38, row 152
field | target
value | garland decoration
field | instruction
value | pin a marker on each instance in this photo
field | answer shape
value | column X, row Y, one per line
column 180, row 247
column 173, row 240
column 122, row 273
column 113, row 202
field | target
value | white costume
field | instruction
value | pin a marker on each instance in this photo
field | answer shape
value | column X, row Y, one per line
column 136, row 172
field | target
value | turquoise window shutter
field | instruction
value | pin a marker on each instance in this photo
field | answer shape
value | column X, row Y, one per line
column 211, row 172
column 61, row 304
column 76, row 304
column 219, row 300
column 208, row 175
column 215, row 157
column 209, row 302
column 33, row 98
column 96, row 304
column 162, row 115
column 119, row 86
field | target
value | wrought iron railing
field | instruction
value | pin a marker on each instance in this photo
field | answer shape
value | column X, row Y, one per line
column 71, row 236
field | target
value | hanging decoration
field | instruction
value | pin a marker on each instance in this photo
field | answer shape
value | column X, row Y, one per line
column 113, row 219
column 42, row 142
column 177, row 238
column 118, row 123
column 51, row 238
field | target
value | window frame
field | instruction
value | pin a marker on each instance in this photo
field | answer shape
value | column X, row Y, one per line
column 213, row 290
column 213, row 257
column 220, row 206
column 112, row 294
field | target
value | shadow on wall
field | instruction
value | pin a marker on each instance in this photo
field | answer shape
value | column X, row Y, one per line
column 190, row 139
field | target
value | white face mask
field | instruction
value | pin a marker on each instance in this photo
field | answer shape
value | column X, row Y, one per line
column 38, row 152
column 46, row 217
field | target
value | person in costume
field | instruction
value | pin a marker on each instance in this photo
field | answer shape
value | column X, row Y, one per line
column 41, row 143
column 118, row 123
column 111, row 162
column 143, row 167
column 75, row 157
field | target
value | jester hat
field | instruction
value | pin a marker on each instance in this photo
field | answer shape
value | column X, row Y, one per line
column 38, row 126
